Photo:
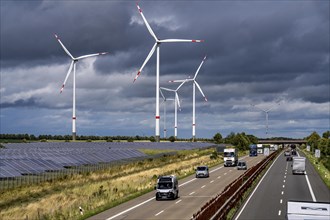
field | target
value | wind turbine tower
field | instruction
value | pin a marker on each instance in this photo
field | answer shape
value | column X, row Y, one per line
column 73, row 65
column 266, row 113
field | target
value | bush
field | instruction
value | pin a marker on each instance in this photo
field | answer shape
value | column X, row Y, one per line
column 152, row 139
column 109, row 140
column 172, row 138
column 130, row 140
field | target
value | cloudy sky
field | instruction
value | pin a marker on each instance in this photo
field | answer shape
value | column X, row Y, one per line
column 258, row 53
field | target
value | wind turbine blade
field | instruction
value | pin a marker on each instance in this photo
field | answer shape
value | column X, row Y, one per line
column 180, row 41
column 278, row 103
column 180, row 80
column 66, row 50
column 180, row 85
column 146, row 60
column 166, row 89
column 161, row 93
column 146, row 23
column 200, row 89
column 91, row 55
column 200, row 65
column 178, row 100
column 258, row 108
column 67, row 75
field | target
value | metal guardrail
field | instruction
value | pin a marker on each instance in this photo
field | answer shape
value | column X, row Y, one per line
column 219, row 206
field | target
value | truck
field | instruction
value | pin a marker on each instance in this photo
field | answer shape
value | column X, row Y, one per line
column 301, row 210
column 230, row 157
column 253, row 150
column 167, row 187
column 298, row 165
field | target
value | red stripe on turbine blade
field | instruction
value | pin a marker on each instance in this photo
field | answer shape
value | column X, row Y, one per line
column 157, row 117
column 194, row 124
column 74, row 118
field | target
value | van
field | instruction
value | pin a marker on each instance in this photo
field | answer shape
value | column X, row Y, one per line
column 167, row 187
column 202, row 171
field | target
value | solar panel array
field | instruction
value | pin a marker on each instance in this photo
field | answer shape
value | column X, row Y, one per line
column 18, row 159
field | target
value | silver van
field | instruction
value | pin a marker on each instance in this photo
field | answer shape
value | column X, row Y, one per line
column 202, row 171
column 167, row 187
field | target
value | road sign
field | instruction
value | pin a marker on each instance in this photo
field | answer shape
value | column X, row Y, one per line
column 317, row 153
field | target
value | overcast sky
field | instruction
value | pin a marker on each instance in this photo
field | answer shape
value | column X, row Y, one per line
column 258, row 53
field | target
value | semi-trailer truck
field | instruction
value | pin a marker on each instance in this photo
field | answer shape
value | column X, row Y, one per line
column 298, row 165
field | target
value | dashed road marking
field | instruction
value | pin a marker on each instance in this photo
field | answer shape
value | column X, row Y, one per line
column 282, row 192
column 212, row 181
column 178, row 201
column 225, row 174
column 281, row 201
column 218, row 177
column 283, row 186
column 159, row 213
column 279, row 212
column 203, row 186
column 283, row 181
column 191, row 193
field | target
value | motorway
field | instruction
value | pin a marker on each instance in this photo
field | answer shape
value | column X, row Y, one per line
column 193, row 194
column 269, row 199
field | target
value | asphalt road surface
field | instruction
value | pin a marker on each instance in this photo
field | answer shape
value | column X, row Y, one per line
column 193, row 194
column 269, row 199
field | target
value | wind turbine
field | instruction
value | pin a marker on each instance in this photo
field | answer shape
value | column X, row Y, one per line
column 195, row 83
column 266, row 112
column 73, row 65
column 164, row 102
column 176, row 104
column 157, row 46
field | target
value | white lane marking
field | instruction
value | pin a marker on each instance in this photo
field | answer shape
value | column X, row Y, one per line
column 286, row 168
column 281, row 201
column 203, row 186
column 310, row 188
column 230, row 170
column 283, row 186
column 216, row 169
column 159, row 212
column 283, row 181
column 247, row 201
column 218, row 177
column 189, row 181
column 279, row 212
column 133, row 207
column 284, row 177
column 225, row 174
column 282, row 192
column 212, row 181
column 191, row 193
column 178, row 201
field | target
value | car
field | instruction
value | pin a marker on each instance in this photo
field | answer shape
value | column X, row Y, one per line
column 287, row 153
column 241, row 165
column 202, row 171
column 289, row 158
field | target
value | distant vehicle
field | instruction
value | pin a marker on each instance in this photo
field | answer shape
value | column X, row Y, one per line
column 298, row 210
column 253, row 150
column 202, row 171
column 167, row 187
column 294, row 152
column 230, row 157
column 287, row 153
column 241, row 165
column 289, row 158
column 298, row 165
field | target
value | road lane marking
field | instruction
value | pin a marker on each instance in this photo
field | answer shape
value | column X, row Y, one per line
column 256, row 188
column 225, row 174
column 281, row 201
column 218, row 177
column 129, row 209
column 203, row 186
column 279, row 212
column 212, row 181
column 230, row 170
column 216, row 169
column 283, row 181
column 310, row 188
column 178, row 201
column 284, row 177
column 191, row 193
column 282, row 192
column 189, row 181
column 159, row 213
column 283, row 186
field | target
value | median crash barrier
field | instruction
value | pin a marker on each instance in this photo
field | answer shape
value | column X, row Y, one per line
column 219, row 206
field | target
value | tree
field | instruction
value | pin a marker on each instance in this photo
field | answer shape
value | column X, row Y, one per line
column 326, row 135
column 152, row 139
column 217, row 138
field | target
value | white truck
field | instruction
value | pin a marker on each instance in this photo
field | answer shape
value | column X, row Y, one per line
column 301, row 210
column 230, row 157
column 298, row 165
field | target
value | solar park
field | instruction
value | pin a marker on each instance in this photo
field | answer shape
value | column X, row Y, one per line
column 47, row 160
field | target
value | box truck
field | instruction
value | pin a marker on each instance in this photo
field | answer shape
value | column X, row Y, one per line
column 230, row 157
column 298, row 165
